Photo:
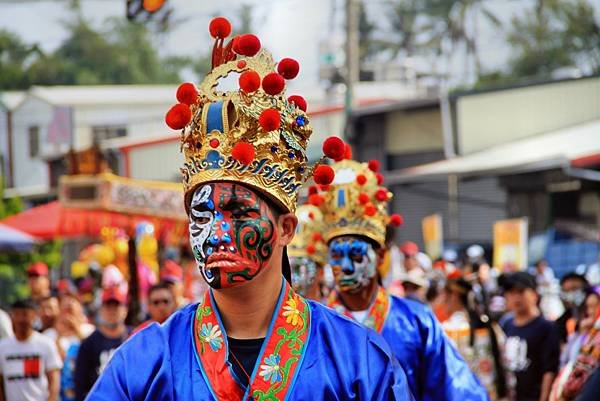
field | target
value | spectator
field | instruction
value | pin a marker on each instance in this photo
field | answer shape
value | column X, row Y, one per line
column 38, row 281
column 172, row 275
column 96, row 350
column 532, row 345
column 415, row 285
column 5, row 325
column 572, row 294
column 479, row 340
column 410, row 250
column 48, row 312
column 71, row 326
column 583, row 352
column 544, row 275
column 29, row 361
column 161, row 305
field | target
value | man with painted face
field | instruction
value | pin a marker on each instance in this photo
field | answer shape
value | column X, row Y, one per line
column 308, row 253
column 251, row 337
column 355, row 217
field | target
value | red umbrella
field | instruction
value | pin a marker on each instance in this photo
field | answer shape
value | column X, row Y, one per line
column 54, row 220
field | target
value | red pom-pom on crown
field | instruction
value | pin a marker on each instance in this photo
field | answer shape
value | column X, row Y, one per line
column 270, row 120
column 370, row 210
column 187, row 93
column 243, row 152
column 381, row 194
column 334, row 148
column 219, row 28
column 249, row 81
column 363, row 198
column 316, row 237
column 247, row 45
column 313, row 190
column 273, row 83
column 323, row 174
column 298, row 101
column 396, row 220
column 348, row 152
column 178, row 116
column 288, row 68
column 379, row 177
column 310, row 249
column 361, row 179
column 374, row 165
column 316, row 200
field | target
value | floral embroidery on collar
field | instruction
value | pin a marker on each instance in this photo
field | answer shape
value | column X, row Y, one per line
column 377, row 314
column 278, row 361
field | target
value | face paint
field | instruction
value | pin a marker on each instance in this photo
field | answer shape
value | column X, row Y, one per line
column 353, row 261
column 232, row 233
column 304, row 272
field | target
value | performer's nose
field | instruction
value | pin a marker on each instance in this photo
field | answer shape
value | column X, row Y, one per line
column 347, row 266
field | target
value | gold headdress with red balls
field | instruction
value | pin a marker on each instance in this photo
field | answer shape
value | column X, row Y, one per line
column 355, row 203
column 252, row 135
column 308, row 241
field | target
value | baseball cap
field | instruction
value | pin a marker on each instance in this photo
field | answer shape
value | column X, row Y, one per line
column 171, row 272
column 517, row 280
column 416, row 277
column 38, row 269
column 114, row 294
column 409, row 248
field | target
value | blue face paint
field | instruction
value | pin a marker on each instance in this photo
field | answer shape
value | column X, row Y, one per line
column 353, row 261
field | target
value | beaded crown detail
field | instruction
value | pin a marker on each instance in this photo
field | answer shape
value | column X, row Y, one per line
column 308, row 241
column 355, row 203
column 253, row 135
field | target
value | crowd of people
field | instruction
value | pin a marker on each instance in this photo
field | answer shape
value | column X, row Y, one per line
column 52, row 350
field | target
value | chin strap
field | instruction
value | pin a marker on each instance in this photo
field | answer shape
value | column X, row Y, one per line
column 285, row 266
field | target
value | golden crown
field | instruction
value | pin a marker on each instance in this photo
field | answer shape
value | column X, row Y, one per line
column 308, row 241
column 355, row 203
column 252, row 135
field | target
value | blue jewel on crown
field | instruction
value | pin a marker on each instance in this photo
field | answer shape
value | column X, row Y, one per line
column 300, row 121
column 212, row 161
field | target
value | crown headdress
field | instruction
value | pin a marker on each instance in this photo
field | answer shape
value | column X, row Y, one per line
column 252, row 135
column 355, row 203
column 308, row 241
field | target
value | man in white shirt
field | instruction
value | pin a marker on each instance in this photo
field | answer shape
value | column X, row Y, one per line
column 29, row 361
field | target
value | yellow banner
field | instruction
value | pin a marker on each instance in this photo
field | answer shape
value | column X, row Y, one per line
column 433, row 235
column 510, row 244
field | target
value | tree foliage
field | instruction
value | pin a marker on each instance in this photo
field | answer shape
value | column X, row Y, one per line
column 124, row 54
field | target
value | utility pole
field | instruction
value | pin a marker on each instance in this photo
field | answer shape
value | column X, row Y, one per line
column 352, row 61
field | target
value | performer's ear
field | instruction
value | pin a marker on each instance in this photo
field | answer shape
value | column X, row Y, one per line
column 287, row 228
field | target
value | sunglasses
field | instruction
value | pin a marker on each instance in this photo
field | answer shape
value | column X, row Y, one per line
column 157, row 302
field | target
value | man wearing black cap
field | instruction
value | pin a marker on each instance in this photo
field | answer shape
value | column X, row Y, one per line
column 532, row 345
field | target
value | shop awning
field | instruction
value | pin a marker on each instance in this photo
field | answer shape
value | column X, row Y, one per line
column 14, row 240
column 53, row 220
column 557, row 149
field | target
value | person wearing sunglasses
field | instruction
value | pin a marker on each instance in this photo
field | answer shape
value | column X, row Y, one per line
column 161, row 305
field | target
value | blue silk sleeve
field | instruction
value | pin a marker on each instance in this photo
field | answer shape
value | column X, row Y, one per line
column 435, row 369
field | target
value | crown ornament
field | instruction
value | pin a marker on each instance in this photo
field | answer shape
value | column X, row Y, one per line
column 355, row 203
column 253, row 135
column 308, row 241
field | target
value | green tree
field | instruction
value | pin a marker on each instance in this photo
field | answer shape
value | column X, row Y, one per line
column 14, row 55
column 13, row 278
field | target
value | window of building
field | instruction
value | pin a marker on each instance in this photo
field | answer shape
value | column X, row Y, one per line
column 102, row 133
column 34, row 141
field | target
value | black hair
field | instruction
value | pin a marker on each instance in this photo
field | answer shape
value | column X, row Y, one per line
column 160, row 286
column 24, row 303
column 574, row 276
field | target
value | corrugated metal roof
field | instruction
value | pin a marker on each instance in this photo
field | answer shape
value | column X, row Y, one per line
column 541, row 152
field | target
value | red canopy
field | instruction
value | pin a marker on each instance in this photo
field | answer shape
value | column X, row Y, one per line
column 54, row 220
